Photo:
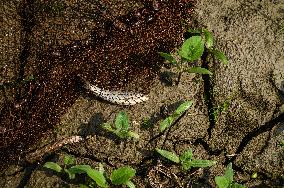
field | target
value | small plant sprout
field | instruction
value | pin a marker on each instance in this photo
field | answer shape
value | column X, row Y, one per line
column 177, row 113
column 186, row 159
column 121, row 127
column 96, row 178
column 191, row 51
column 122, row 176
column 227, row 181
column 96, row 175
column 282, row 143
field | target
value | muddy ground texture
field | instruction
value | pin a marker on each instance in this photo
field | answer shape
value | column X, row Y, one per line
column 49, row 47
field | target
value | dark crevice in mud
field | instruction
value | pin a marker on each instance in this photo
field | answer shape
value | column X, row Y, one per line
column 208, row 93
column 29, row 169
column 257, row 131
column 28, row 22
column 205, row 145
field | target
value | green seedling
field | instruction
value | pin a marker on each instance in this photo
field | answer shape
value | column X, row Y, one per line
column 96, row 175
column 186, row 159
column 227, row 181
column 120, row 176
column 221, row 109
column 191, row 51
column 282, row 143
column 121, row 127
column 177, row 113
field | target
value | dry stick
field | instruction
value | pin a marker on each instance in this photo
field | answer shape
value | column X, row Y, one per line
column 39, row 153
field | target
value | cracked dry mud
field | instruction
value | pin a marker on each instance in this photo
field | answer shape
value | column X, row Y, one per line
column 248, row 134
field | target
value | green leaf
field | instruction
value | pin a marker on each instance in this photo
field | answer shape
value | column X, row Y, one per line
column 183, row 107
column 199, row 70
column 122, row 175
column 169, row 155
column 229, row 173
column 192, row 49
column 121, row 122
column 179, row 111
column 130, row 184
column 108, row 127
column 68, row 160
column 168, row 57
column 71, row 175
column 185, row 159
column 208, row 38
column 187, row 155
column 222, row 182
column 98, row 177
column 53, row 166
column 166, row 123
column 133, row 135
column 202, row 163
column 95, row 175
column 220, row 56
column 236, row 185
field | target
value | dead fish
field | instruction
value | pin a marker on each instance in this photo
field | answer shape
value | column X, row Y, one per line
column 117, row 97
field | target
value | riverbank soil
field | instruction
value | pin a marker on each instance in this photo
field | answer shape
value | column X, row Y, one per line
column 49, row 48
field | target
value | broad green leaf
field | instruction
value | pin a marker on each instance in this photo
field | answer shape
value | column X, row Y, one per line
column 185, row 159
column 222, row 182
column 168, row 57
column 202, row 163
column 68, row 160
column 192, row 49
column 166, row 123
column 169, row 155
column 229, row 173
column 121, row 121
column 79, row 169
column 130, row 184
column 53, row 166
column 208, row 38
column 98, row 177
column 183, row 107
column 199, row 70
column 122, row 175
column 236, row 185
column 95, row 175
column 220, row 56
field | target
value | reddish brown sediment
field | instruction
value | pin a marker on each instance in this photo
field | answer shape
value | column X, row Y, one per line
column 123, row 55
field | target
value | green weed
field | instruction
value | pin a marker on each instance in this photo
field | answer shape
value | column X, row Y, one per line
column 282, row 143
column 121, row 127
column 120, row 176
column 191, row 50
column 166, row 123
column 227, row 181
column 186, row 159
